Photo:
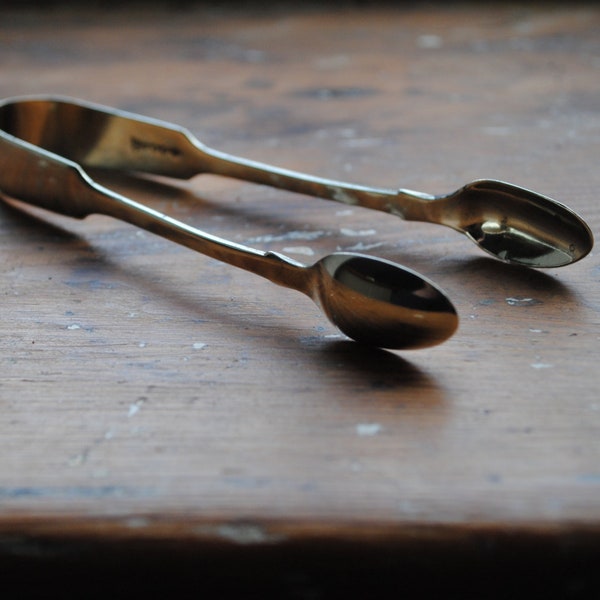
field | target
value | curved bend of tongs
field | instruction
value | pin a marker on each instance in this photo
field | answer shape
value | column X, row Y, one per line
column 46, row 179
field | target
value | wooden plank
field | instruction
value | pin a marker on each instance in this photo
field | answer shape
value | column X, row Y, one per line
column 148, row 393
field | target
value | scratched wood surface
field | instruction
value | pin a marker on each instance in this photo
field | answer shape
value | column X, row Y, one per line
column 151, row 396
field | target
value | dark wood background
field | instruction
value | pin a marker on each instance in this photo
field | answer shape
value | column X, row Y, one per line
column 166, row 418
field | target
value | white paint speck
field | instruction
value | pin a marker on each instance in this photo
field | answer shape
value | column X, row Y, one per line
column 244, row 534
column 198, row 345
column 304, row 250
column 77, row 460
column 357, row 232
column 408, row 507
column 540, row 365
column 362, row 247
column 368, row 429
column 73, row 326
column 134, row 408
column 430, row 41
column 142, row 345
column 285, row 237
column 240, row 533
column 522, row 301
column 137, row 522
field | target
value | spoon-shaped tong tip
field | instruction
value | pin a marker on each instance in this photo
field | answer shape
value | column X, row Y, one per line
column 373, row 301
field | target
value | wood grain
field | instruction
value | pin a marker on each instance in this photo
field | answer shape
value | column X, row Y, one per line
column 152, row 397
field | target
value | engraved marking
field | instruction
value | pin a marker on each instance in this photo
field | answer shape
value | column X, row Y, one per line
column 143, row 145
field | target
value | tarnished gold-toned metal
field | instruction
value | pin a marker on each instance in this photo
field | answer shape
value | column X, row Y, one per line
column 513, row 224
column 371, row 300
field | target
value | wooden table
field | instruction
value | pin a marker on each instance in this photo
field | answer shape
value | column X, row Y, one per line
column 166, row 418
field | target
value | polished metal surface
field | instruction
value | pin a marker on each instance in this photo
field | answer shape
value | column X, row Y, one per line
column 373, row 301
column 513, row 224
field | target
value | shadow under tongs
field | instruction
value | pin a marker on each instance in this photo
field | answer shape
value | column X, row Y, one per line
column 504, row 274
column 35, row 220
column 181, row 201
column 376, row 370
column 355, row 365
